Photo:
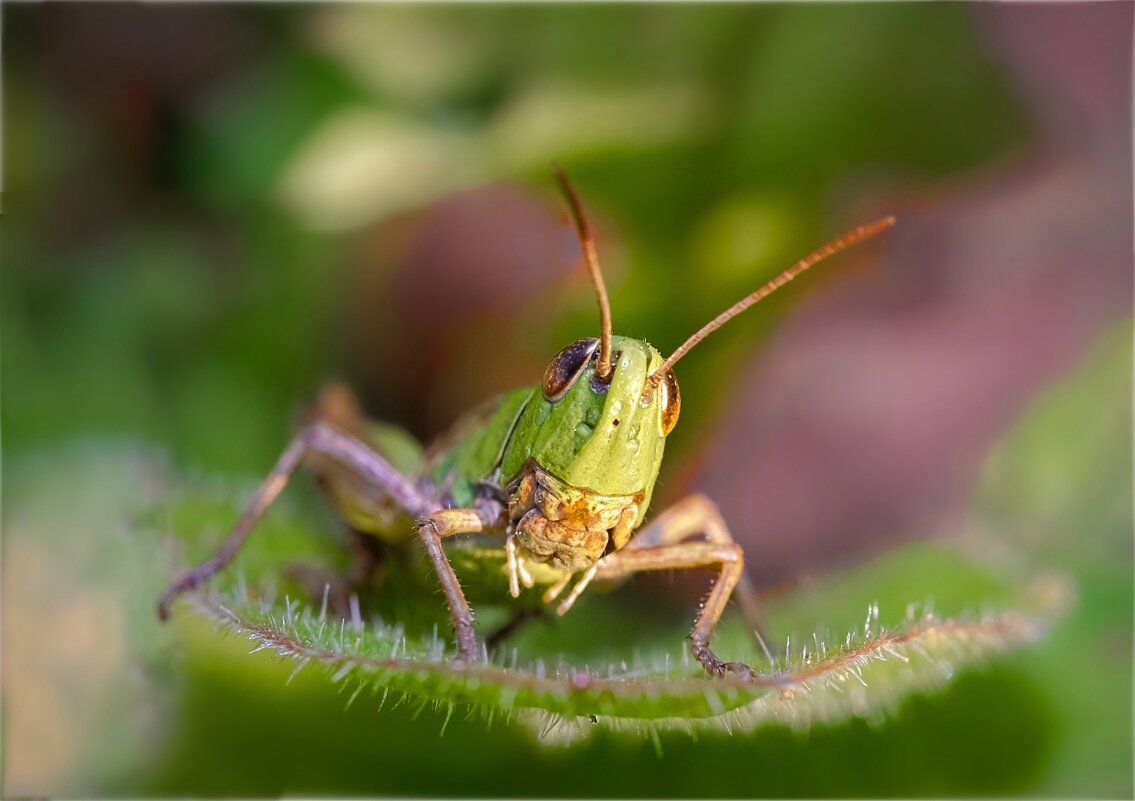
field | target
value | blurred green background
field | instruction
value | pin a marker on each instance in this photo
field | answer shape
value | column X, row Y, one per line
column 212, row 209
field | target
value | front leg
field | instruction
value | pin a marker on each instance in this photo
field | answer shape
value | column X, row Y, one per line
column 693, row 515
column 660, row 546
column 433, row 528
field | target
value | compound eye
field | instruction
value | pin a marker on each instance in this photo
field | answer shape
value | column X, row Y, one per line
column 567, row 366
column 671, row 400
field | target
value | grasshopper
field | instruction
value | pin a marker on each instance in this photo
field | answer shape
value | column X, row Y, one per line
column 559, row 475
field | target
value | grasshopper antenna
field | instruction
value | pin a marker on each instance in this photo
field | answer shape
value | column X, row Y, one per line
column 591, row 256
column 830, row 249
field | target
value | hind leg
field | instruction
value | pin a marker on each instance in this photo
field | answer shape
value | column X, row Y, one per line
column 318, row 438
column 433, row 524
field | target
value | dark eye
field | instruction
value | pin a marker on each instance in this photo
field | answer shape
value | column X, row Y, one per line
column 671, row 400
column 565, row 369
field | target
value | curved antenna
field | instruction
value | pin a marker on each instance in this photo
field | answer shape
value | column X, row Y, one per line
column 591, row 256
column 830, row 249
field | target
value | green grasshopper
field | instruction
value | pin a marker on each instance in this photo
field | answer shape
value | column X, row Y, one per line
column 559, row 475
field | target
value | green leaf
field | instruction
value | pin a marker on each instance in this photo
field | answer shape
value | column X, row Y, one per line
column 565, row 684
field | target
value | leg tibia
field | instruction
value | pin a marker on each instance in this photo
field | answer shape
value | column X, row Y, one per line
column 432, row 528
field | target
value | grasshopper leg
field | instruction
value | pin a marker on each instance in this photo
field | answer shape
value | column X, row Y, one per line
column 316, row 438
column 665, row 545
column 433, row 528
column 697, row 514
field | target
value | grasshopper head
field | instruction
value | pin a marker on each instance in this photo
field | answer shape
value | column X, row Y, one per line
column 605, row 434
column 592, row 446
